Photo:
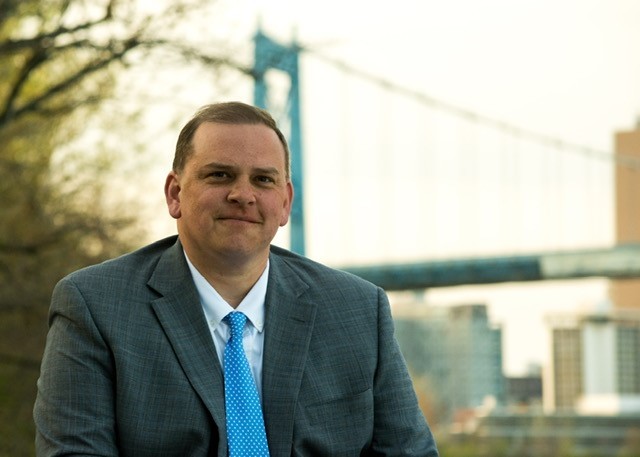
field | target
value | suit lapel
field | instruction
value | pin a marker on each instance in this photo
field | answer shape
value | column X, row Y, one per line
column 182, row 318
column 288, row 328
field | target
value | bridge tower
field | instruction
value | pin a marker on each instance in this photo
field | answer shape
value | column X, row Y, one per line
column 270, row 55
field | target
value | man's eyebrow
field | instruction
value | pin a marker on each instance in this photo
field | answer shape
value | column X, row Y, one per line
column 225, row 166
column 267, row 170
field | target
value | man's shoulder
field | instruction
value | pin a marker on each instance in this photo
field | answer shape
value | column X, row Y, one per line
column 313, row 272
column 129, row 265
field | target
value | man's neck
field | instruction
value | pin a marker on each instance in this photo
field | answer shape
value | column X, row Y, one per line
column 231, row 277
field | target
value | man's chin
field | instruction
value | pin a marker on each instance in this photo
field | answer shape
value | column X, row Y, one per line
column 243, row 248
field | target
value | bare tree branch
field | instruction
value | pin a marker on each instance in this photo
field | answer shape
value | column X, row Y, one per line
column 45, row 39
column 48, row 46
column 192, row 53
column 36, row 59
column 37, row 103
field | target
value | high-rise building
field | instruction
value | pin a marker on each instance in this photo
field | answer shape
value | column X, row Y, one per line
column 457, row 350
column 565, row 372
column 476, row 357
column 625, row 293
column 595, row 363
column 595, row 358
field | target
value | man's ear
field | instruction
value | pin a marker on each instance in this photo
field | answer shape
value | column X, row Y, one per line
column 286, row 209
column 172, row 194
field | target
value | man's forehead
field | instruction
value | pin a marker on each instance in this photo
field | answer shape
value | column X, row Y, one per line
column 213, row 137
column 214, row 132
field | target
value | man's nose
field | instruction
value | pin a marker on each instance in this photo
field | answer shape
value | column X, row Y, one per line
column 242, row 192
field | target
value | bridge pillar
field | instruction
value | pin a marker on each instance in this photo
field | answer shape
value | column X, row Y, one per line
column 271, row 55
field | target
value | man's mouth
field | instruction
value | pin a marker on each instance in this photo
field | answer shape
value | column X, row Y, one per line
column 240, row 219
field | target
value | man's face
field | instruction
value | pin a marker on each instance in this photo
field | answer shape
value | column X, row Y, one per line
column 232, row 195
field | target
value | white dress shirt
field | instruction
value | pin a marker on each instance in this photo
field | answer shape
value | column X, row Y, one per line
column 216, row 308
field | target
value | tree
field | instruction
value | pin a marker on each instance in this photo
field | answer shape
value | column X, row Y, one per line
column 59, row 61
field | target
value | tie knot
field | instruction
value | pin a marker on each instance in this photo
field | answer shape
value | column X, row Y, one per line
column 236, row 321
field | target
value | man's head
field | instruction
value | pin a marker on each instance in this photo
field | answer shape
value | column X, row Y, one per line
column 230, row 188
column 225, row 113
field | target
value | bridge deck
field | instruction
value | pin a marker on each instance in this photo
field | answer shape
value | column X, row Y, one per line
column 622, row 261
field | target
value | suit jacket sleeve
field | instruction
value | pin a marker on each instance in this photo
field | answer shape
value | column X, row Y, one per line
column 74, row 409
column 400, row 428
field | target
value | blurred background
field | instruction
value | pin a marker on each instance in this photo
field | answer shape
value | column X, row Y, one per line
column 477, row 159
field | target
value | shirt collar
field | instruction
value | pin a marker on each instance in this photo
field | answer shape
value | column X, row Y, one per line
column 216, row 308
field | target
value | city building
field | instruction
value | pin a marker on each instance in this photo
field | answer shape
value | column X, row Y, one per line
column 456, row 350
column 595, row 363
column 625, row 293
column 524, row 393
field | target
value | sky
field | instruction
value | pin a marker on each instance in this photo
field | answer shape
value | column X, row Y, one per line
column 566, row 69
column 557, row 67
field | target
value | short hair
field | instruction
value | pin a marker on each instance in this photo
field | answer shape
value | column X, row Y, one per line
column 226, row 113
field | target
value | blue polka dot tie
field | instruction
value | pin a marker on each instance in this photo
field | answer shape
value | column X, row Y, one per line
column 245, row 425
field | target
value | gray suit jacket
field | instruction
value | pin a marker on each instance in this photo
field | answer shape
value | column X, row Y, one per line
column 130, row 368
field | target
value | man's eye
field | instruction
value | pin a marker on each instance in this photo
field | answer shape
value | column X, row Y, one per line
column 265, row 179
column 218, row 174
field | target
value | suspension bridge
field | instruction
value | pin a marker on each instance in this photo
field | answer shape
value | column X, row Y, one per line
column 420, row 193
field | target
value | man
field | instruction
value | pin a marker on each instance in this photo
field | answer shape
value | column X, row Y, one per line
column 136, row 357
